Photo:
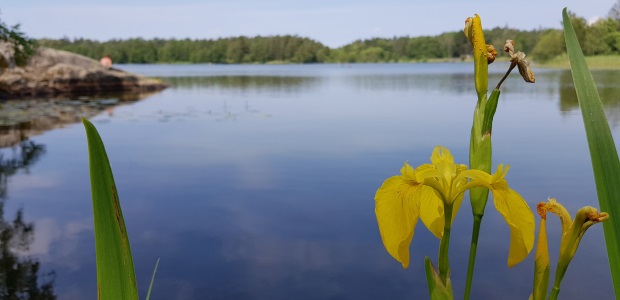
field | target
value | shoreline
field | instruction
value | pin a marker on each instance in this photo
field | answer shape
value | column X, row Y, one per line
column 600, row 62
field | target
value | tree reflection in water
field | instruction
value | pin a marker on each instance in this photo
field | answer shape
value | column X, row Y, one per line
column 19, row 276
column 608, row 89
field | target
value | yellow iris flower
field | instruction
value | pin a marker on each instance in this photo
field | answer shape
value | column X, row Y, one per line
column 425, row 191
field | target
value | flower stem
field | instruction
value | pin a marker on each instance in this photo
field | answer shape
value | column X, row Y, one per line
column 555, row 291
column 472, row 254
column 512, row 66
column 444, row 261
column 560, row 270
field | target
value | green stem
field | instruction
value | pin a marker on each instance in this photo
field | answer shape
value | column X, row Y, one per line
column 444, row 261
column 499, row 84
column 560, row 270
column 555, row 291
column 472, row 254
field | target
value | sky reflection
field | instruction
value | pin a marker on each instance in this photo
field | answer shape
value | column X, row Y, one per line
column 257, row 182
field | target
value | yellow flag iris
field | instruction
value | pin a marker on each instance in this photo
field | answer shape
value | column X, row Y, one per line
column 425, row 191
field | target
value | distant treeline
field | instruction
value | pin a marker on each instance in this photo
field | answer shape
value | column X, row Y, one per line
column 601, row 37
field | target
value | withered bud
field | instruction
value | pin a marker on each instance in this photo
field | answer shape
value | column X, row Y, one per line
column 491, row 54
column 518, row 59
column 509, row 47
column 595, row 216
column 542, row 210
column 524, row 66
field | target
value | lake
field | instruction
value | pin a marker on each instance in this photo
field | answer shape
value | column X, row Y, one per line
column 258, row 181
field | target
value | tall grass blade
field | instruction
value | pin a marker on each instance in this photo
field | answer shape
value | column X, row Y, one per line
column 148, row 295
column 116, row 279
column 602, row 148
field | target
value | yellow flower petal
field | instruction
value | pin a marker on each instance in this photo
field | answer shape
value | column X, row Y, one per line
column 407, row 171
column 520, row 219
column 443, row 160
column 431, row 211
column 478, row 179
column 456, row 205
column 441, row 155
column 397, row 208
column 456, row 192
column 511, row 206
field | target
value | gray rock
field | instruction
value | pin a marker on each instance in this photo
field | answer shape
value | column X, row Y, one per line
column 51, row 73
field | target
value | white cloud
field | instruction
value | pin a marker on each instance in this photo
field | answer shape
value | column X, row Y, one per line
column 594, row 20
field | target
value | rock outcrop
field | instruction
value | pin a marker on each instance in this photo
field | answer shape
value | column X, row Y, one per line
column 52, row 73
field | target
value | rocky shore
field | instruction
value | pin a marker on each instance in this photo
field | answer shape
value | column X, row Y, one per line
column 57, row 88
column 54, row 73
column 25, row 118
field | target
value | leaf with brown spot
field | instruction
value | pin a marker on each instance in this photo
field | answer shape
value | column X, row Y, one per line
column 115, row 272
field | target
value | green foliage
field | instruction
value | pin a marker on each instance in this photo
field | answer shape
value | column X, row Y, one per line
column 551, row 44
column 605, row 162
column 221, row 51
column 23, row 46
column 600, row 38
column 525, row 40
column 115, row 272
column 613, row 41
column 425, row 47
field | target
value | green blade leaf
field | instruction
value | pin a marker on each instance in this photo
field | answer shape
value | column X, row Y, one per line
column 115, row 272
column 148, row 295
column 602, row 148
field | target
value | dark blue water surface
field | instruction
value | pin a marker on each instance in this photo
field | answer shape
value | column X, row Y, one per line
column 258, row 181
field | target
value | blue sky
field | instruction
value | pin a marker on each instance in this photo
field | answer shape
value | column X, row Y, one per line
column 333, row 23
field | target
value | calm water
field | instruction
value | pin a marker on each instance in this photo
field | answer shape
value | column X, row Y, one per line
column 257, row 182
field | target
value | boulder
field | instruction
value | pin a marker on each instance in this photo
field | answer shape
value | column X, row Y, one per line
column 52, row 72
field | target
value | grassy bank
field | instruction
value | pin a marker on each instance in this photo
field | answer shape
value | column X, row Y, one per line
column 594, row 62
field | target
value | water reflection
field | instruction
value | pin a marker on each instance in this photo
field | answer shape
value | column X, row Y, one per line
column 608, row 88
column 281, row 207
column 21, row 119
column 23, row 156
column 254, row 84
column 19, row 276
column 453, row 83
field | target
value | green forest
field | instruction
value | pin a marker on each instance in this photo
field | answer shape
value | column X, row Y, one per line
column 600, row 38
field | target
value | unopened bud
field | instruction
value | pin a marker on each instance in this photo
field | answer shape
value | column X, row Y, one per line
column 468, row 30
column 491, row 54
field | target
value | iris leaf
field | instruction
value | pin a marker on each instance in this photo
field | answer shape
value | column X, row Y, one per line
column 602, row 148
column 116, row 278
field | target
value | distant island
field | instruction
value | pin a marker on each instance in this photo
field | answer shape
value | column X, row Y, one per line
column 599, row 38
